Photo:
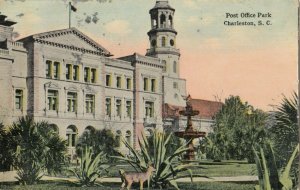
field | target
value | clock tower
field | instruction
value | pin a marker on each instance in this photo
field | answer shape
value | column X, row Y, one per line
column 162, row 37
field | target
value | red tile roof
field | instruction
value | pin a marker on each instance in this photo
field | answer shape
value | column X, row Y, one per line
column 208, row 109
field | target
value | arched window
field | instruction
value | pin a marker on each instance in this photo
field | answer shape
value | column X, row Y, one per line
column 163, row 41
column 175, row 67
column 89, row 130
column 118, row 138
column 162, row 20
column 54, row 128
column 71, row 135
column 170, row 21
column 128, row 137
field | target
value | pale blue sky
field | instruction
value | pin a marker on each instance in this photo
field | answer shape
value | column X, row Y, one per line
column 257, row 63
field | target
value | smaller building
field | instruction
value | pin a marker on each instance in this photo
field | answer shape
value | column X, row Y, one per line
column 173, row 121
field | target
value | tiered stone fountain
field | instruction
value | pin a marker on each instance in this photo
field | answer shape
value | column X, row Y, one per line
column 189, row 134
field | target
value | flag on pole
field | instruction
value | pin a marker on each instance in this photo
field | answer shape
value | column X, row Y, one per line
column 73, row 8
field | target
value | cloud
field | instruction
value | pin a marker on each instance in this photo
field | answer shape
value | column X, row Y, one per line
column 120, row 27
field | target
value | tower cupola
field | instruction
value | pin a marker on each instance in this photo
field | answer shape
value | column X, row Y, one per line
column 162, row 15
column 162, row 37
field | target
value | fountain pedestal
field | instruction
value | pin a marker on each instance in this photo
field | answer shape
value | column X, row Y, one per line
column 189, row 134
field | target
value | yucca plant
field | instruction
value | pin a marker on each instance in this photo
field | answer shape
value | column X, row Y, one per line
column 90, row 167
column 270, row 177
column 167, row 166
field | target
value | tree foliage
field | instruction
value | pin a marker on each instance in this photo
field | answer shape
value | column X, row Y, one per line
column 238, row 127
column 32, row 148
column 100, row 141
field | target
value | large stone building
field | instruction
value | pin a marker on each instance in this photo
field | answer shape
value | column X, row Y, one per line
column 66, row 78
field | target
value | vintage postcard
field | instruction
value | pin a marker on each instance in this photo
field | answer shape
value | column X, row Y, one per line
column 159, row 94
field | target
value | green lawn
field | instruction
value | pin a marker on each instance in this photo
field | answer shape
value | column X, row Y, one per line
column 226, row 170
column 209, row 169
column 205, row 168
column 116, row 186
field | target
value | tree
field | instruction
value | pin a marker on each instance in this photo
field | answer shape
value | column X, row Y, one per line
column 100, row 141
column 32, row 148
column 238, row 127
column 284, row 130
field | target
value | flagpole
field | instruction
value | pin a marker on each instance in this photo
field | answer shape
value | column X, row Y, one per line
column 70, row 14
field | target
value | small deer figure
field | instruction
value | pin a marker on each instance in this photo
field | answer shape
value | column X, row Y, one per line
column 129, row 178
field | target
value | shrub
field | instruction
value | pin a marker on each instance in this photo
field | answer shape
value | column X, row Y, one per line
column 100, row 141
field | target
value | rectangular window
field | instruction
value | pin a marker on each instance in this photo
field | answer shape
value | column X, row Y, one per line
column 86, row 74
column 118, row 108
column 93, row 75
column 56, row 70
column 48, row 69
column 145, row 84
column 175, row 85
column 72, row 102
column 68, row 71
column 119, row 81
column 128, row 83
column 90, row 103
column 128, row 108
column 76, row 72
column 108, row 107
column 149, row 109
column 19, row 99
column 53, row 100
column 153, row 85
column 108, row 80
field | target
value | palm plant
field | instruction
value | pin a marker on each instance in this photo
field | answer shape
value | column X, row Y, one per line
column 32, row 150
column 270, row 176
column 91, row 167
column 284, row 132
column 166, row 165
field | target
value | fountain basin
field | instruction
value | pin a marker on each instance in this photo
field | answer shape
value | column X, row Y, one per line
column 189, row 134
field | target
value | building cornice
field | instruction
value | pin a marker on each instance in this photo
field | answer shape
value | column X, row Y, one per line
column 156, row 30
column 64, row 46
